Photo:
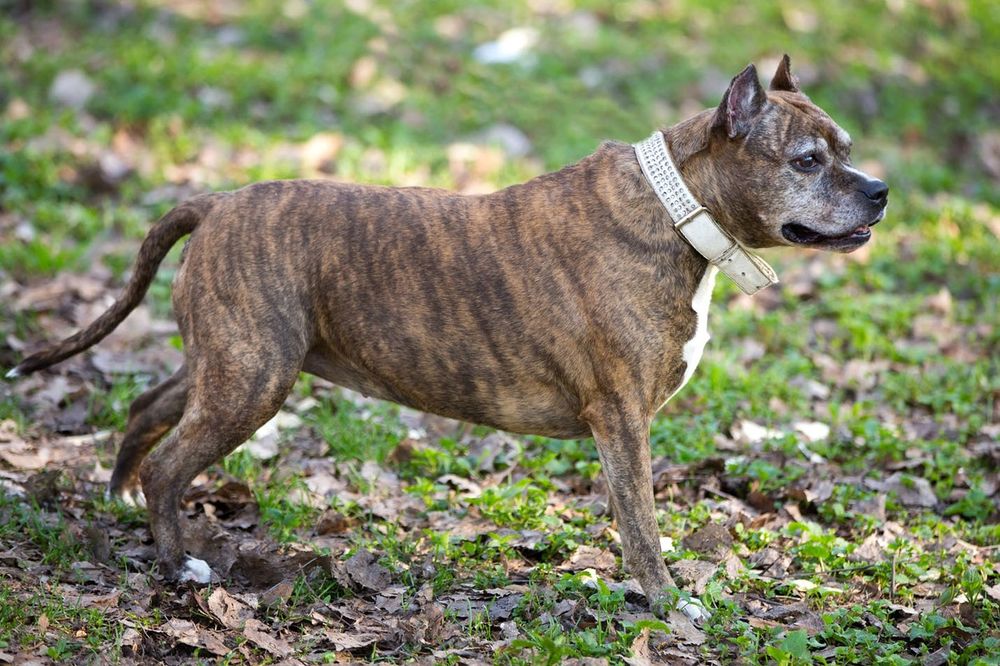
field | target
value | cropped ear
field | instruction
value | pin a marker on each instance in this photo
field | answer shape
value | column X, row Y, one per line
column 783, row 79
column 741, row 104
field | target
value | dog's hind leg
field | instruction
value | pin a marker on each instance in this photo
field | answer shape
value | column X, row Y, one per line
column 233, row 391
column 150, row 417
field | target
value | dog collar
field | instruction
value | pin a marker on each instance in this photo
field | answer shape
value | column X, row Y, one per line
column 695, row 224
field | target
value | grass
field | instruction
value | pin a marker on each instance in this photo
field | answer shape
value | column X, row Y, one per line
column 895, row 348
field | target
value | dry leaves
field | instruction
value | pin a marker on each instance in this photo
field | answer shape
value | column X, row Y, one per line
column 189, row 633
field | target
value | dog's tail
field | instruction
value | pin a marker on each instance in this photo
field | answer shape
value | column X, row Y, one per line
column 179, row 222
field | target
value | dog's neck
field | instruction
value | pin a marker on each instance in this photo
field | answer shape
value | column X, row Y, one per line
column 688, row 142
column 695, row 223
column 689, row 137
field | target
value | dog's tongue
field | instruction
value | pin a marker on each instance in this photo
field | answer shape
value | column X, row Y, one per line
column 863, row 229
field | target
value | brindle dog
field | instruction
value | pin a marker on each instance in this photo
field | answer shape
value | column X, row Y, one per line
column 559, row 307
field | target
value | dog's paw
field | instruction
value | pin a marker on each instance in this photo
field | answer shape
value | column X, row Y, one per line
column 196, row 571
column 694, row 609
column 134, row 498
column 129, row 496
column 673, row 599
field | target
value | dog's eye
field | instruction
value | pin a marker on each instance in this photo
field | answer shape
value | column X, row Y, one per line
column 806, row 163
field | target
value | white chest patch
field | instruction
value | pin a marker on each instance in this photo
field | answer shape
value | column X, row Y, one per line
column 694, row 347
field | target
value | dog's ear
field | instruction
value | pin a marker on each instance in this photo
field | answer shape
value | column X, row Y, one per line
column 783, row 79
column 741, row 104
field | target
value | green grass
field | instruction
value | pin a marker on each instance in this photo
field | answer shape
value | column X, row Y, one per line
column 902, row 339
column 336, row 422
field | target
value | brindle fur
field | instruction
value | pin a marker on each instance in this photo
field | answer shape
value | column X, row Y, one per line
column 558, row 307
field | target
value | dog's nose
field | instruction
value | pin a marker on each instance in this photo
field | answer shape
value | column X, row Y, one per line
column 876, row 190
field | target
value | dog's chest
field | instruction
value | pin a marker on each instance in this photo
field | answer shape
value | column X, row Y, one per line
column 693, row 348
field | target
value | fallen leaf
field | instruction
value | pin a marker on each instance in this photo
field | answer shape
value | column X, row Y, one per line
column 109, row 600
column 426, row 626
column 694, row 574
column 590, row 557
column 466, row 487
column 910, row 490
column 264, row 443
column 188, row 633
column 503, row 607
column 639, row 651
column 366, row 572
column 712, row 540
column 870, row 550
column 937, row 658
column 277, row 594
column 333, row 522
column 941, row 302
column 111, row 362
column 256, row 632
column 60, row 390
column 683, row 629
column 351, row 641
column 131, row 639
column 229, row 611
column 820, row 491
column 733, row 566
column 27, row 461
column 771, row 562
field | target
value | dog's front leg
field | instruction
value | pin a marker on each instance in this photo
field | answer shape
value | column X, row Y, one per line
column 623, row 445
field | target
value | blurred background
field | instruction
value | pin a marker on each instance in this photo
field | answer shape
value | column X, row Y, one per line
column 103, row 97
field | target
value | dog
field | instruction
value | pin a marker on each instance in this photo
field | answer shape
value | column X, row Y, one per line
column 570, row 306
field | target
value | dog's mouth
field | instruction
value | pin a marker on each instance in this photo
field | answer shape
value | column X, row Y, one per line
column 800, row 234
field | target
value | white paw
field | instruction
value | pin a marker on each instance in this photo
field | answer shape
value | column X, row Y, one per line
column 134, row 498
column 694, row 609
column 131, row 497
column 196, row 571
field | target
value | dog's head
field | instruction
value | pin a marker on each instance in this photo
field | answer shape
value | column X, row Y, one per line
column 784, row 169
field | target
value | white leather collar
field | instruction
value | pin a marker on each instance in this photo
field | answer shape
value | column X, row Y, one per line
column 695, row 223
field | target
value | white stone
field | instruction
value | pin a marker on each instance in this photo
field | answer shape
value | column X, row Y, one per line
column 753, row 433
column 812, row 431
column 513, row 141
column 512, row 46
column 72, row 88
